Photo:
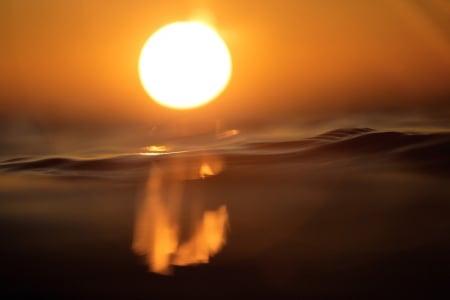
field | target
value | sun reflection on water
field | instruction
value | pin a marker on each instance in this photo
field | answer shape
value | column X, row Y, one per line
column 158, row 229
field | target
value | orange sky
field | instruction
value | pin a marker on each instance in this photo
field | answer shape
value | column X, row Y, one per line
column 77, row 59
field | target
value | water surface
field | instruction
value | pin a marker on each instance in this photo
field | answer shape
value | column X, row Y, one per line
column 348, row 212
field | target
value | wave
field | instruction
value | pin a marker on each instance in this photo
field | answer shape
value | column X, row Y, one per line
column 427, row 152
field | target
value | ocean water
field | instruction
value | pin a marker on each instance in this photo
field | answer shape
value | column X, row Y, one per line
column 324, row 213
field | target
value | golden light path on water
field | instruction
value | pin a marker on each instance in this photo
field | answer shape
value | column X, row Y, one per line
column 158, row 227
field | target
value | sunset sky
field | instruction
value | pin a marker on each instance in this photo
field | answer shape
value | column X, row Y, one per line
column 76, row 60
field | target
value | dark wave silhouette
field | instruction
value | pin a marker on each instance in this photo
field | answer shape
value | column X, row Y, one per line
column 422, row 151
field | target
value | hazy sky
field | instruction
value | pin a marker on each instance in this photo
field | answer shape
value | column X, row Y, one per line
column 77, row 59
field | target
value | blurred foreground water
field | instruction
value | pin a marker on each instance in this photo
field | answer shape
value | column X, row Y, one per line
column 354, row 212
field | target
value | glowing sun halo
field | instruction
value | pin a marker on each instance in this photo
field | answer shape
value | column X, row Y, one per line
column 184, row 65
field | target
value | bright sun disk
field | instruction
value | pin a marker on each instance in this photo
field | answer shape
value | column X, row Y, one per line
column 184, row 65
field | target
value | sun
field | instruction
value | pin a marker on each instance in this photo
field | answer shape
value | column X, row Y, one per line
column 185, row 65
